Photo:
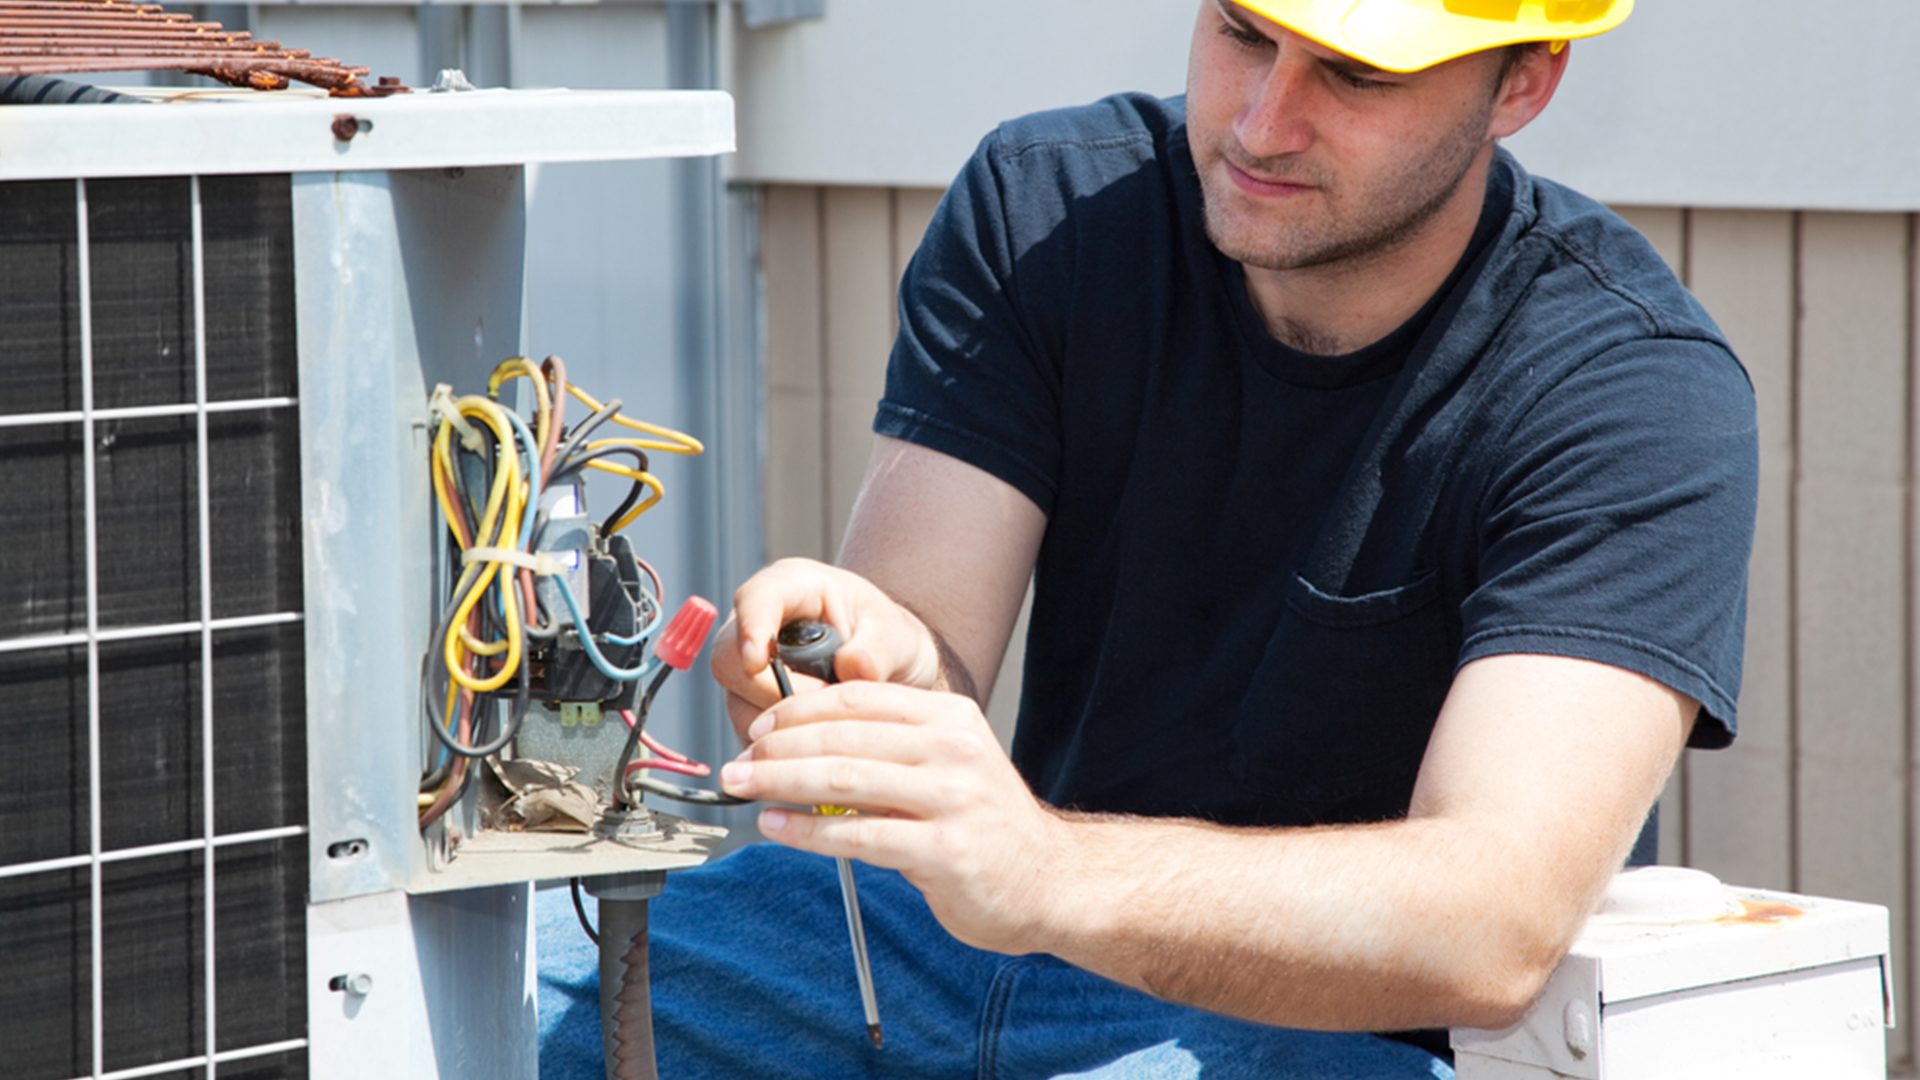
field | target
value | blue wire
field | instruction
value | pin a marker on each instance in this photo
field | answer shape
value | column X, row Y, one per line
column 592, row 649
column 644, row 632
column 533, row 477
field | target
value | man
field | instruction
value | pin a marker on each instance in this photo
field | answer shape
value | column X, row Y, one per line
column 1388, row 511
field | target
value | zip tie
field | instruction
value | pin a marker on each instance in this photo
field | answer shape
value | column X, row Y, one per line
column 542, row 564
column 442, row 402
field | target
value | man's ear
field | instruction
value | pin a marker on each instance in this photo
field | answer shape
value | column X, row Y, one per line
column 1528, row 86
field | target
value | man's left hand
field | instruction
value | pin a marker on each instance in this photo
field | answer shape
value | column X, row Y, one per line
column 937, row 800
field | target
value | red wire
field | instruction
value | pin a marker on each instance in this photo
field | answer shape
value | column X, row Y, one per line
column 670, row 760
column 654, row 744
column 684, row 768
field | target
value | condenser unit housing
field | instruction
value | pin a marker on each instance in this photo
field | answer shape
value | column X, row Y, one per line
column 221, row 323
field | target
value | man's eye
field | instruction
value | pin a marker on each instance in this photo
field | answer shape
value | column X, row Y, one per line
column 1244, row 38
column 1360, row 82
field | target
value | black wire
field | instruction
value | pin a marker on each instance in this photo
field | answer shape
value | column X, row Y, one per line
column 687, row 795
column 633, row 737
column 579, row 462
column 471, row 503
column 436, row 718
column 438, row 774
column 580, row 909
column 648, row 783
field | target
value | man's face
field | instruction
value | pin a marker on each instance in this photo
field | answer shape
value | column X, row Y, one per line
column 1310, row 158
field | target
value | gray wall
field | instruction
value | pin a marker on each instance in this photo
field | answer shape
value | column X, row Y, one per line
column 1706, row 103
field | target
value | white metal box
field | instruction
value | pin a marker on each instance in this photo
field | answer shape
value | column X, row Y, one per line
column 1677, row 976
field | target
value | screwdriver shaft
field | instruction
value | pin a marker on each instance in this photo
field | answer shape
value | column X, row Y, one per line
column 850, row 899
column 863, row 968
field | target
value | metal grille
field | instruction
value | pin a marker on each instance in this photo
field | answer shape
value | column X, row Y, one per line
column 152, row 797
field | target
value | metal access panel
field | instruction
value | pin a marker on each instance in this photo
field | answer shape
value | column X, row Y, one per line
column 406, row 280
column 222, row 323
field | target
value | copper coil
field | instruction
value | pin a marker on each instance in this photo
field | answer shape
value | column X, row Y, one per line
column 51, row 37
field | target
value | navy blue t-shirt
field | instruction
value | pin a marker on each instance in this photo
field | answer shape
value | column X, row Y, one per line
column 1261, row 569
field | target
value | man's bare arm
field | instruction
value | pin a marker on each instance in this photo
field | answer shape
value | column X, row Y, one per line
column 934, row 566
column 954, row 545
column 1536, row 781
column 1534, row 786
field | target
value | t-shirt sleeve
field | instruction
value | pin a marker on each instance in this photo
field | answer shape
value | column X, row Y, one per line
column 1619, row 525
column 969, row 375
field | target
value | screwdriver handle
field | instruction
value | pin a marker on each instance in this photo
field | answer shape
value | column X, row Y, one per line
column 808, row 646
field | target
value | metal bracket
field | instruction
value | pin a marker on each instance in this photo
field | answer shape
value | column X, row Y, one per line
column 763, row 13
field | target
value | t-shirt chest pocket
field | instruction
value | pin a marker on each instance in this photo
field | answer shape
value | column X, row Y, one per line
column 1338, row 714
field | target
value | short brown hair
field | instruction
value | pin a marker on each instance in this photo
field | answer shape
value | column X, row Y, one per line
column 1510, row 58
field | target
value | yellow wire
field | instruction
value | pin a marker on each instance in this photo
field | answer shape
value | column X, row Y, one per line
column 442, row 449
column 680, row 442
column 483, row 648
column 443, row 454
column 508, row 489
column 516, row 367
column 634, row 514
column 506, row 507
column 495, row 417
column 627, row 471
column 652, row 483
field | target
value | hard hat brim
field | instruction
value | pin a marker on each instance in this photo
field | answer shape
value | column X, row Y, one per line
column 1412, row 35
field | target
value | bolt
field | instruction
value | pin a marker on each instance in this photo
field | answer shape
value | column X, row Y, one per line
column 345, row 126
column 358, row 984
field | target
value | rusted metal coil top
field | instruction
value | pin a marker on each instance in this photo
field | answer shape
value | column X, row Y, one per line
column 54, row 37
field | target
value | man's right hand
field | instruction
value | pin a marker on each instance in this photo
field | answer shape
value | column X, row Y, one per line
column 882, row 641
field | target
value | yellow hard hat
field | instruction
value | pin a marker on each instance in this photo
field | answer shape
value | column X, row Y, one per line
column 1411, row 35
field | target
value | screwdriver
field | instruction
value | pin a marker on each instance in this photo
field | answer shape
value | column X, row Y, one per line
column 807, row 646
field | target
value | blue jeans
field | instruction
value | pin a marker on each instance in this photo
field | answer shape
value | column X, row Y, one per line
column 753, row 977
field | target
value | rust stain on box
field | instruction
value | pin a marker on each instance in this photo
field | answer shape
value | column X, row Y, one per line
column 1762, row 911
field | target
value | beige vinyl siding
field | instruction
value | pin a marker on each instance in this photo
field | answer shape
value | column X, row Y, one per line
column 1819, row 794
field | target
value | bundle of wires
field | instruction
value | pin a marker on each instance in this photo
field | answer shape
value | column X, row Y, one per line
column 488, row 470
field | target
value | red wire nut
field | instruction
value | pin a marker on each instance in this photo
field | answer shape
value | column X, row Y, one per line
column 684, row 636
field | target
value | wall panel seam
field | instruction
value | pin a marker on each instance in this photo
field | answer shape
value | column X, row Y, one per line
column 1685, row 764
column 822, row 254
column 1904, row 951
column 1794, row 350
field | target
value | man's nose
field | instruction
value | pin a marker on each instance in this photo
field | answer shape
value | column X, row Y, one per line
column 1276, row 117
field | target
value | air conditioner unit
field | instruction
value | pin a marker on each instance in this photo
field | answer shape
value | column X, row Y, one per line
column 223, row 320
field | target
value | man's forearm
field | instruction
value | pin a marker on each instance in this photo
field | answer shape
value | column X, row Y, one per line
column 1372, row 927
column 954, row 676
